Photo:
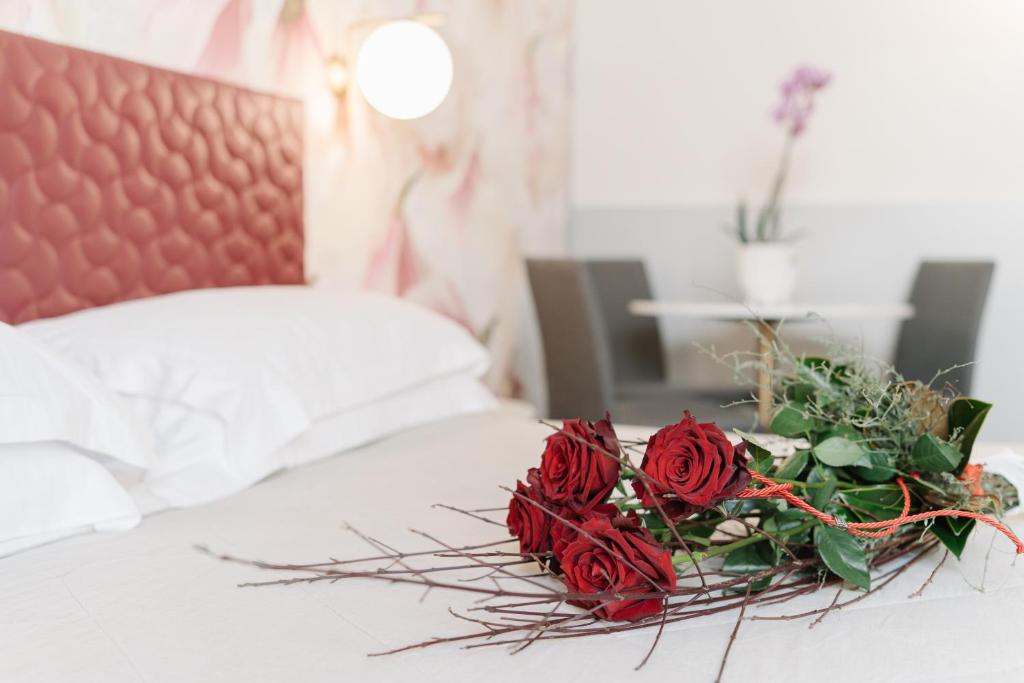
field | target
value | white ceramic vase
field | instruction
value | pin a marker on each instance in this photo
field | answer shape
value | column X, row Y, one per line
column 767, row 272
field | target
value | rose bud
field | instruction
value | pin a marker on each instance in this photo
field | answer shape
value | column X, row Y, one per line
column 606, row 559
column 580, row 465
column 529, row 521
column 690, row 467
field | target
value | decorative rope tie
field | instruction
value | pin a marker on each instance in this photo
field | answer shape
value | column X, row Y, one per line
column 886, row 527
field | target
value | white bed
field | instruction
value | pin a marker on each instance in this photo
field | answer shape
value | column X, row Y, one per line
column 146, row 606
column 244, row 372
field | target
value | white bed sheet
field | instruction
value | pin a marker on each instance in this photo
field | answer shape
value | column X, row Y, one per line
column 145, row 606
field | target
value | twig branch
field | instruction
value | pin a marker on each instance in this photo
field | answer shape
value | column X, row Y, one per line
column 732, row 636
column 931, row 577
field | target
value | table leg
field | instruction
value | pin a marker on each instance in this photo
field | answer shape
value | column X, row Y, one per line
column 766, row 338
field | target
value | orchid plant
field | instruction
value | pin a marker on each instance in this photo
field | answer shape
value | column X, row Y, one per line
column 792, row 113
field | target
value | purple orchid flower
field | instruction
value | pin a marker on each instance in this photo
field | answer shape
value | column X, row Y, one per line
column 794, row 110
column 792, row 113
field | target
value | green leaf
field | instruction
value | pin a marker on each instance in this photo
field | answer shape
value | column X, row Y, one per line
column 742, row 506
column 793, row 466
column 741, row 221
column 826, row 476
column 791, row 421
column 845, row 430
column 800, row 391
column 816, row 363
column 843, row 555
column 823, row 370
column 966, row 415
column 953, row 533
column 838, row 451
column 875, row 504
column 653, row 521
column 785, row 521
column 762, row 457
column 959, row 525
column 932, row 454
column 703, row 532
column 875, row 467
column 750, row 559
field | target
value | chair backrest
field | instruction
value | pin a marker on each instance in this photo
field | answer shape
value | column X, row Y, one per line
column 634, row 342
column 576, row 357
column 948, row 299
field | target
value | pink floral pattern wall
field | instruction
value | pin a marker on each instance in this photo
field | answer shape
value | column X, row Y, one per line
column 440, row 210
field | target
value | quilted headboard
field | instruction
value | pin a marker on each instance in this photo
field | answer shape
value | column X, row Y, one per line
column 120, row 181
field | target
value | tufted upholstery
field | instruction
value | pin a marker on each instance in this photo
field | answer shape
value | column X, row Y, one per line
column 120, row 181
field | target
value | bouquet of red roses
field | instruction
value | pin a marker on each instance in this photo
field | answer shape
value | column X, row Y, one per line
column 621, row 536
column 611, row 551
column 639, row 534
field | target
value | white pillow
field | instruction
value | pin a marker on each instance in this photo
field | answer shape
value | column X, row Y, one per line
column 436, row 400
column 50, row 490
column 189, row 473
column 227, row 377
column 44, row 397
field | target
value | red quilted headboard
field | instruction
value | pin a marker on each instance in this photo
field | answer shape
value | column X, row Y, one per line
column 120, row 181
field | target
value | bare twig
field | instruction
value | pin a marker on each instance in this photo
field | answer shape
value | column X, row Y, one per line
column 657, row 636
column 831, row 606
column 931, row 576
column 469, row 513
column 732, row 636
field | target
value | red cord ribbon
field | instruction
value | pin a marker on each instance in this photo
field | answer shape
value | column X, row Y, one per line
column 886, row 527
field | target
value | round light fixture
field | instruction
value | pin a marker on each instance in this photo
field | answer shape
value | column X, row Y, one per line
column 404, row 69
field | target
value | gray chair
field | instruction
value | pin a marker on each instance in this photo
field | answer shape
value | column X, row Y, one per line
column 634, row 342
column 949, row 299
column 576, row 357
column 598, row 357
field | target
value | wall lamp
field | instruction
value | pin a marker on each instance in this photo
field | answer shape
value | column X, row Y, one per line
column 403, row 68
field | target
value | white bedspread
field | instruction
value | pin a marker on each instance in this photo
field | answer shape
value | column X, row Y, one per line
column 146, row 606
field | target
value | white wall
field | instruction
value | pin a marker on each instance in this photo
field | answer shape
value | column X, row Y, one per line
column 673, row 97
column 916, row 151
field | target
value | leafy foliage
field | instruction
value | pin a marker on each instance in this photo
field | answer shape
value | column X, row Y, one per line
column 863, row 426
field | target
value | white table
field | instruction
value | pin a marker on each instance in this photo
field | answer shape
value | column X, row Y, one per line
column 767, row 318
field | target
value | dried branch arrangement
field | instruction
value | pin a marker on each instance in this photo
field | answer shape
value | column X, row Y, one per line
column 613, row 535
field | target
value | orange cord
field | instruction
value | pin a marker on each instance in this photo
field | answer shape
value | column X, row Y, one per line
column 887, row 527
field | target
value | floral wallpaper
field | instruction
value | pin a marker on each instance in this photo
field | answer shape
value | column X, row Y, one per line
column 440, row 210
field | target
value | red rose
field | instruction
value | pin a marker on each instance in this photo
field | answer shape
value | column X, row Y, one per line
column 565, row 532
column 529, row 521
column 691, row 467
column 580, row 467
column 604, row 559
